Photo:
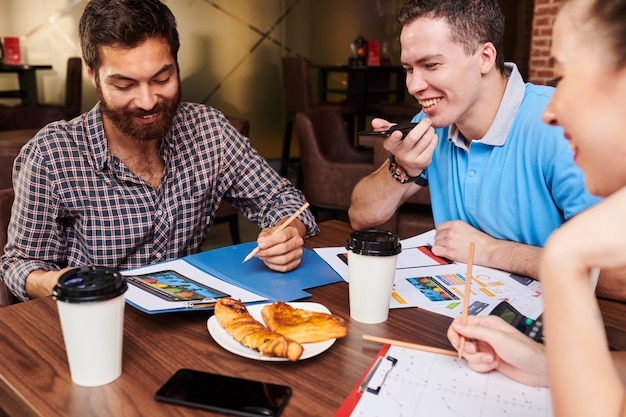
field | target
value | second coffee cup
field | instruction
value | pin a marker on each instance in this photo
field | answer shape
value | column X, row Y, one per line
column 372, row 259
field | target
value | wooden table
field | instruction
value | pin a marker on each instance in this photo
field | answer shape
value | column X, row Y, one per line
column 28, row 82
column 35, row 378
column 363, row 87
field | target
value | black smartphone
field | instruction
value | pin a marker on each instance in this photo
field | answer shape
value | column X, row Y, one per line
column 224, row 394
column 405, row 129
column 530, row 327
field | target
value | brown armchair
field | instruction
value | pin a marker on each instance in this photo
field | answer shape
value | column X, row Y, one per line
column 298, row 97
column 10, row 144
column 331, row 166
column 26, row 117
column 415, row 216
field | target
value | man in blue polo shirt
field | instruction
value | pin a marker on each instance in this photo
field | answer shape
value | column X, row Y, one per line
column 497, row 175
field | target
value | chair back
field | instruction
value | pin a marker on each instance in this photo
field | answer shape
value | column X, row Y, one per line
column 26, row 117
column 329, row 167
column 297, row 84
column 333, row 140
column 6, row 202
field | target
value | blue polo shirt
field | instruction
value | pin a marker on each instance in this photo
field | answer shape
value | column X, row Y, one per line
column 517, row 183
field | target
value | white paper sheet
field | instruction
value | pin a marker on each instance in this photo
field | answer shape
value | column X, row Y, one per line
column 422, row 282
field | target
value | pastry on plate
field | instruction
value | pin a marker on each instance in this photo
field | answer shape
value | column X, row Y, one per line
column 235, row 319
column 303, row 326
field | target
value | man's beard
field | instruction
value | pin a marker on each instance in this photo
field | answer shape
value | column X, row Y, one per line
column 124, row 119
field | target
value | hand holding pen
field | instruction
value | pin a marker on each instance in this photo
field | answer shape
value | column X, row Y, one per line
column 281, row 227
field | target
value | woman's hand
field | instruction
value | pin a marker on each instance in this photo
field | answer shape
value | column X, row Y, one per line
column 492, row 344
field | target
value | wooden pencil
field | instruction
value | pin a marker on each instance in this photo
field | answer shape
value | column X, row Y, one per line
column 466, row 293
column 282, row 226
column 415, row 346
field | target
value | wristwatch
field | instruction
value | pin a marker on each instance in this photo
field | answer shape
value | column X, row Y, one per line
column 398, row 173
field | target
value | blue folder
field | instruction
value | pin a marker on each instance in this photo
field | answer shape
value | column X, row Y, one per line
column 226, row 264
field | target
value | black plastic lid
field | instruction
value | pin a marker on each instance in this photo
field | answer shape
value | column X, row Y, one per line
column 89, row 283
column 374, row 242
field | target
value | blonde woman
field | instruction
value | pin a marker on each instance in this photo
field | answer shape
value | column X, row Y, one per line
column 589, row 54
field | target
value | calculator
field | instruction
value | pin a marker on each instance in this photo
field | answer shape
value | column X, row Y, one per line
column 530, row 327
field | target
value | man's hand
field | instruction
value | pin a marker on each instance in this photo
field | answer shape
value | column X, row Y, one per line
column 452, row 239
column 413, row 153
column 40, row 283
column 282, row 251
column 377, row 197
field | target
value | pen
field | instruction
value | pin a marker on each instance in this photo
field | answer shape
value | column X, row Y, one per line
column 408, row 345
column 282, row 226
column 201, row 304
column 466, row 293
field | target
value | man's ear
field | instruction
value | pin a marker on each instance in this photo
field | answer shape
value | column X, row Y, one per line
column 92, row 77
column 488, row 55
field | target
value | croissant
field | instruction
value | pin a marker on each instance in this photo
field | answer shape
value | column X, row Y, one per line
column 234, row 317
column 303, row 326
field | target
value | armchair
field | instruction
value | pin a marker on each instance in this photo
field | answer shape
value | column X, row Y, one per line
column 331, row 166
column 299, row 98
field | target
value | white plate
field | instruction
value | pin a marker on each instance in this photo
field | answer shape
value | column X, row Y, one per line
column 227, row 342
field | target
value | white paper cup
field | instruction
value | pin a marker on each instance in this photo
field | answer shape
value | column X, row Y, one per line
column 372, row 259
column 90, row 302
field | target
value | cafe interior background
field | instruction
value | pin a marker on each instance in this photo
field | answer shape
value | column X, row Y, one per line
column 231, row 50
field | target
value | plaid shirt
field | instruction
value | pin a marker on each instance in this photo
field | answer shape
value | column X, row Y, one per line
column 75, row 204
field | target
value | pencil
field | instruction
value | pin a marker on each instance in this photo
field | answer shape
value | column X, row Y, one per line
column 282, row 226
column 415, row 346
column 466, row 292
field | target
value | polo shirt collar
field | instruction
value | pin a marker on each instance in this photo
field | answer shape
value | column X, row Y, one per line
column 511, row 101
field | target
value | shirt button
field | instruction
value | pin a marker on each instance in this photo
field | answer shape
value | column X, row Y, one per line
column 159, row 254
column 159, row 212
column 471, row 173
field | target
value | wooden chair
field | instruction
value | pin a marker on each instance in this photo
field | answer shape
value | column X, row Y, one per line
column 331, row 166
column 26, row 117
column 299, row 98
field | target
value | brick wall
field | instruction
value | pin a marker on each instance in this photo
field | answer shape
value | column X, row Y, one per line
column 540, row 70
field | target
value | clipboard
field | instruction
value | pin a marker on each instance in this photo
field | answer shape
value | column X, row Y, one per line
column 346, row 408
column 414, row 382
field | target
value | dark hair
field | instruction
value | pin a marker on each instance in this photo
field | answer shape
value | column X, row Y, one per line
column 472, row 22
column 609, row 17
column 125, row 23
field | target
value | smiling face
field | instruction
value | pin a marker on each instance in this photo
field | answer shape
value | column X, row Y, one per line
column 589, row 101
column 440, row 74
column 139, row 89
